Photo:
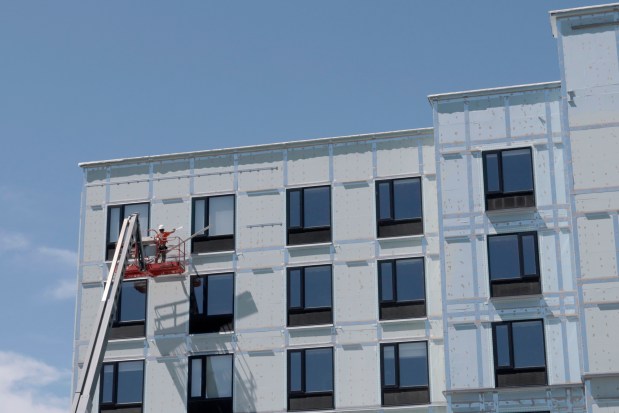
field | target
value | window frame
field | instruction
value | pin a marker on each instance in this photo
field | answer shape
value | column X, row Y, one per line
column 523, row 279
column 395, row 303
column 397, row 388
column 132, row 328
column 312, row 312
column 115, row 405
column 111, row 246
column 220, row 320
column 397, row 227
column 302, row 234
column 501, row 194
column 304, row 394
column 202, row 403
column 216, row 242
column 511, row 370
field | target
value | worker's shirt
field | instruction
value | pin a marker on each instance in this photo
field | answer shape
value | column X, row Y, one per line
column 162, row 237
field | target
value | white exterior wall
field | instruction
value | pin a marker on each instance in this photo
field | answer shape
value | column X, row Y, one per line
column 588, row 51
column 259, row 180
column 465, row 126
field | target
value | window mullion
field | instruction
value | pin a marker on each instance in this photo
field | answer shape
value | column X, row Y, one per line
column 521, row 256
column 394, row 280
column 511, row 346
column 396, row 357
column 391, row 201
column 500, row 171
column 303, row 381
column 206, row 215
column 115, row 383
column 302, row 207
column 203, row 377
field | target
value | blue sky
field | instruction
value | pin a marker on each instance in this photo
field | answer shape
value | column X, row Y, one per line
column 83, row 81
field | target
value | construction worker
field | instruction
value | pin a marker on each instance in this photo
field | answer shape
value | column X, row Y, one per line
column 161, row 240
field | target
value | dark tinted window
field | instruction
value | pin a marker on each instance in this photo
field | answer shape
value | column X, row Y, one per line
column 211, row 303
column 410, row 279
column 309, row 215
column 130, row 380
column 296, row 371
column 384, row 200
column 319, row 370
column 317, row 207
column 407, row 198
column 502, row 345
column 404, row 364
column 492, row 173
column 519, row 353
column 121, row 383
column 311, row 370
column 107, row 383
column 294, row 209
column 504, row 257
column 132, row 301
column 517, row 170
column 389, row 369
column 512, row 256
column 220, row 294
column 528, row 337
column 386, row 281
column 508, row 179
column 295, row 289
column 399, row 207
column 318, row 287
column 413, row 364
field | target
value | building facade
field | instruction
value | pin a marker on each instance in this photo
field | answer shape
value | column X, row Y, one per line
column 468, row 267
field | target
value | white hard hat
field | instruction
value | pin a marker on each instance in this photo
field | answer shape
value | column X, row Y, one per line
column 161, row 226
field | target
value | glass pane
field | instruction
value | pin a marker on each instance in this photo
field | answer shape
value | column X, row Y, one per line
column 199, row 206
column 528, row 339
column 132, row 301
column 142, row 210
column 130, row 381
column 504, row 257
column 294, row 289
column 294, row 209
column 407, row 198
column 413, row 365
column 219, row 376
column 221, row 215
column 389, row 366
column 517, row 170
column 107, row 384
column 295, row 371
column 220, row 299
column 196, row 377
column 529, row 254
column 114, row 224
column 318, row 287
column 318, row 370
column 384, row 200
column 492, row 172
column 386, row 281
column 503, row 351
column 316, row 207
column 410, row 280
column 197, row 296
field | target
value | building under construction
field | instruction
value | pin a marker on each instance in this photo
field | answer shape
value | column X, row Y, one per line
column 467, row 267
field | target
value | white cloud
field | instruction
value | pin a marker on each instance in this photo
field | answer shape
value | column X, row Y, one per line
column 23, row 382
column 13, row 241
column 63, row 290
column 67, row 257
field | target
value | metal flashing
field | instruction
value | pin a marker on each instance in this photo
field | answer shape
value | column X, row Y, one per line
column 504, row 90
column 419, row 132
column 579, row 11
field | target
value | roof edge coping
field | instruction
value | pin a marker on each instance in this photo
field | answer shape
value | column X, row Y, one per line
column 260, row 148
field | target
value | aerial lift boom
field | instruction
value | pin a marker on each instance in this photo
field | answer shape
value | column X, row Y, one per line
column 129, row 240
